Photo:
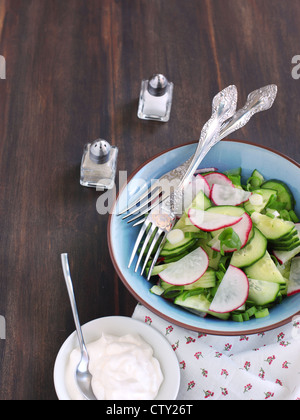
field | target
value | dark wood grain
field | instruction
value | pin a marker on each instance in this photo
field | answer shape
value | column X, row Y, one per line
column 74, row 69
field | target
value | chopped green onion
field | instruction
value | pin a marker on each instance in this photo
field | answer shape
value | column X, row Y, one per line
column 284, row 214
column 246, row 316
column 276, row 205
column 253, row 183
column 157, row 290
column 263, row 313
column 251, row 311
column 293, row 216
column 173, row 292
column 237, row 318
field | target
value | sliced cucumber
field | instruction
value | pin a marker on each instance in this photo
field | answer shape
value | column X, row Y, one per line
column 287, row 242
column 227, row 210
column 196, row 235
column 294, row 233
column 201, row 202
column 262, row 292
column 272, row 228
column 181, row 224
column 214, row 257
column 285, row 246
column 205, row 282
column 252, row 252
column 284, row 194
column 266, row 194
column 265, row 270
column 258, row 175
column 285, row 256
column 198, row 304
column 178, row 248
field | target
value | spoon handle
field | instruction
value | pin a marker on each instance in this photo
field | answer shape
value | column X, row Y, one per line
column 69, row 284
column 223, row 108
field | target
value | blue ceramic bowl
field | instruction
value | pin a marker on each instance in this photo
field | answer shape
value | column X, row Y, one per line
column 226, row 155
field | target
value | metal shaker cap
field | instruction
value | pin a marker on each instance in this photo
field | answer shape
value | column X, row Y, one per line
column 158, row 85
column 100, row 151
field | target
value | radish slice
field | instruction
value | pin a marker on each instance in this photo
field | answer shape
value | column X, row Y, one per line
column 187, row 270
column 284, row 256
column 209, row 222
column 217, row 178
column 226, row 195
column 232, row 292
column 206, row 187
column 242, row 229
column 294, row 280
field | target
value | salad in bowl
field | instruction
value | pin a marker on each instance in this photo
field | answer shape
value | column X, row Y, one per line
column 251, row 236
column 233, row 252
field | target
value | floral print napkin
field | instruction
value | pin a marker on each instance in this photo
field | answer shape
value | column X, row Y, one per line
column 263, row 366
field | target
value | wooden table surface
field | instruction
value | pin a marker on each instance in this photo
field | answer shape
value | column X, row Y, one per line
column 73, row 74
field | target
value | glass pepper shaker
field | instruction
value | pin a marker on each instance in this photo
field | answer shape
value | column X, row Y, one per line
column 99, row 165
column 156, row 99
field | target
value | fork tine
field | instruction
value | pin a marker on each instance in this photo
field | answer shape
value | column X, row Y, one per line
column 148, row 209
column 154, row 242
column 143, row 205
column 150, row 190
column 161, row 245
column 139, row 222
column 145, row 244
column 138, row 241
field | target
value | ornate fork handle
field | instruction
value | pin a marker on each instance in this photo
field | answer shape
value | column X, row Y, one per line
column 163, row 216
column 260, row 100
column 224, row 106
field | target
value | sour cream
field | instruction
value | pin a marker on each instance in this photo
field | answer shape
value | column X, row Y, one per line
column 123, row 368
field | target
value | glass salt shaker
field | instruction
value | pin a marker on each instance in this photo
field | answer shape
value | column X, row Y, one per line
column 99, row 165
column 156, row 99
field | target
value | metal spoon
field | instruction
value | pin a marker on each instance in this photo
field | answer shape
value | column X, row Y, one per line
column 83, row 375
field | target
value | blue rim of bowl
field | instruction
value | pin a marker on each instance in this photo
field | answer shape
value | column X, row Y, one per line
column 153, row 309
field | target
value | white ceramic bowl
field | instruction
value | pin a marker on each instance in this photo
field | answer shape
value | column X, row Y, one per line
column 120, row 326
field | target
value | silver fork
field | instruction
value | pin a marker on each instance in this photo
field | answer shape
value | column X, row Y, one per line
column 257, row 101
column 161, row 220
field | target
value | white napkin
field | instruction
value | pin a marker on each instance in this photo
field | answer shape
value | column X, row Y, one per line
column 254, row 367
